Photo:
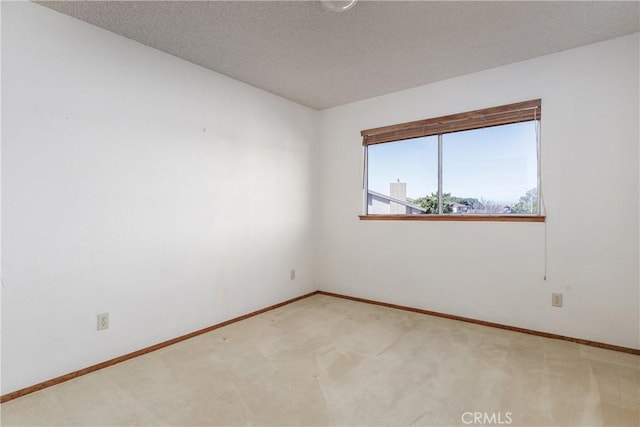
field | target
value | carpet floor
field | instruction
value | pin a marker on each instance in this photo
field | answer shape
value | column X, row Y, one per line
column 325, row 361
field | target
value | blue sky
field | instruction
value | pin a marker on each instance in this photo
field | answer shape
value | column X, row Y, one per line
column 497, row 163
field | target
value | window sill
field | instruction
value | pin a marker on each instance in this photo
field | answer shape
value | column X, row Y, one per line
column 483, row 218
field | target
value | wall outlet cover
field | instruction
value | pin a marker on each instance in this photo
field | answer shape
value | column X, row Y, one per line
column 103, row 321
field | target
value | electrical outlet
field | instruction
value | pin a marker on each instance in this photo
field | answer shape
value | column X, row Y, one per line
column 556, row 300
column 292, row 274
column 103, row 321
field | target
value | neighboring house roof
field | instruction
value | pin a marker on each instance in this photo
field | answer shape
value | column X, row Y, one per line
column 398, row 201
column 459, row 205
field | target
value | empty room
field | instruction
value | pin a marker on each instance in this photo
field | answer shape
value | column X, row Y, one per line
column 320, row 213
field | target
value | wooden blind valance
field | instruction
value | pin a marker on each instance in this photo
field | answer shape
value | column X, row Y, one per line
column 494, row 116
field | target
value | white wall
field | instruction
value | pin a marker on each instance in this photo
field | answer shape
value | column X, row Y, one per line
column 141, row 185
column 175, row 198
column 494, row 271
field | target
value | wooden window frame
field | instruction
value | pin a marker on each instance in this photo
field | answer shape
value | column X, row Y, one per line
column 477, row 119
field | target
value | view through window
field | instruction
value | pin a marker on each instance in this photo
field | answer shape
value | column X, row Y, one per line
column 477, row 170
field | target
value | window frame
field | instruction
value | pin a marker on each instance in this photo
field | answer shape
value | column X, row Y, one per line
column 438, row 126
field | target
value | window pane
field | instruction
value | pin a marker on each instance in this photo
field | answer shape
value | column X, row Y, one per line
column 403, row 176
column 491, row 171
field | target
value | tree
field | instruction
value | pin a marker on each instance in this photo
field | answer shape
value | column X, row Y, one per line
column 489, row 207
column 528, row 204
column 430, row 203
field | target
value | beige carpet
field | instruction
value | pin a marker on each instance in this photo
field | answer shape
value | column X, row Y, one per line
column 328, row 361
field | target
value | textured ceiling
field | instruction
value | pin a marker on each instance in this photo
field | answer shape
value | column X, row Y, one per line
column 299, row 50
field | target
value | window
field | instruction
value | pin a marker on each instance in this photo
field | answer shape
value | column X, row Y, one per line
column 479, row 165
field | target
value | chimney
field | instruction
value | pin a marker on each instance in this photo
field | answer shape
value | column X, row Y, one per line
column 398, row 190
